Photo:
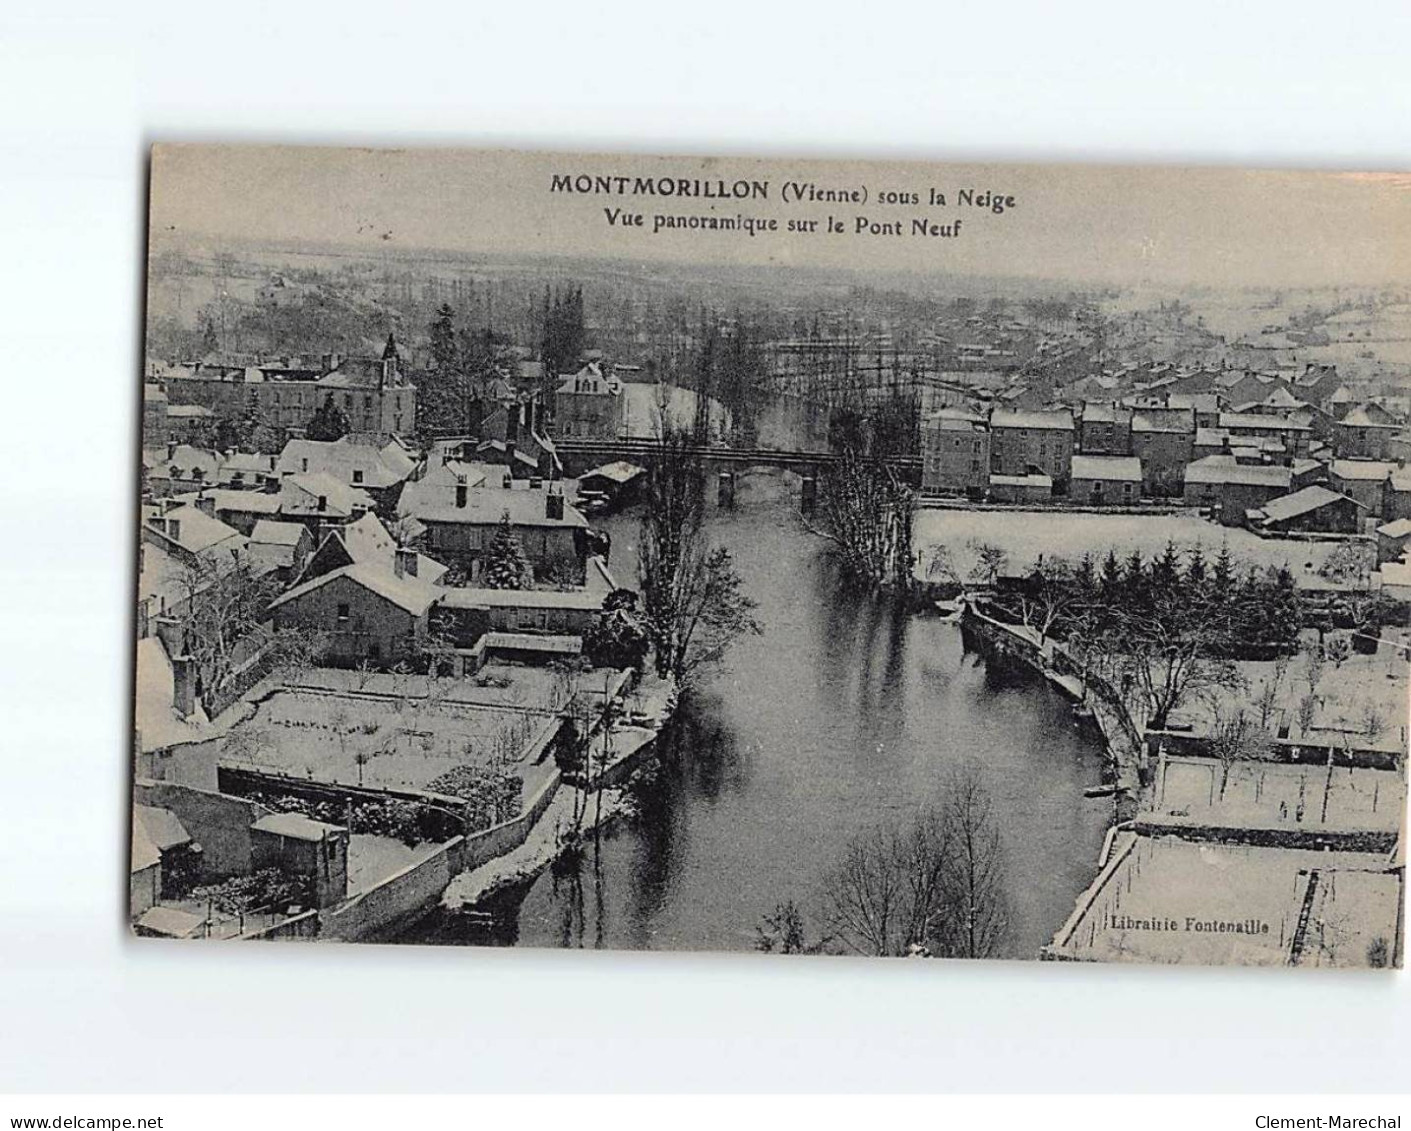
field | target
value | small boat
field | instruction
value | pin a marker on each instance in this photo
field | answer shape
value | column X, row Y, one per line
column 1100, row 791
column 950, row 610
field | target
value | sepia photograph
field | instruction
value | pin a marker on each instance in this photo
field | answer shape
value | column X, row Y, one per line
column 794, row 557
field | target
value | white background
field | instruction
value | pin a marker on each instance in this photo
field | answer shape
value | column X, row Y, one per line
column 83, row 90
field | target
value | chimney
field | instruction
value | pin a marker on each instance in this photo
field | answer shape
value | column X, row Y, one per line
column 183, row 671
column 206, row 504
column 404, row 563
column 553, row 506
column 461, row 491
column 323, row 502
column 171, row 450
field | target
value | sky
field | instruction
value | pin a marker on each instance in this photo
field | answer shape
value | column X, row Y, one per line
column 1152, row 225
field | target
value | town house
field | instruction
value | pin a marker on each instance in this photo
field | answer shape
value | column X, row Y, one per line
column 1106, row 480
column 1024, row 443
column 360, row 612
column 379, row 471
column 588, row 405
column 1230, row 489
column 955, row 452
column 459, row 520
column 1163, row 439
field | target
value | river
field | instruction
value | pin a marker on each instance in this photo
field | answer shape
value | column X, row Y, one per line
column 845, row 713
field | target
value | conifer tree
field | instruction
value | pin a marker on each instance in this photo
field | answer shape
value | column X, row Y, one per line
column 506, row 565
column 1196, row 573
column 329, row 423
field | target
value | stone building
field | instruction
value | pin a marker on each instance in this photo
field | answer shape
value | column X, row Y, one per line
column 374, row 393
column 588, row 405
column 1027, row 443
column 955, row 453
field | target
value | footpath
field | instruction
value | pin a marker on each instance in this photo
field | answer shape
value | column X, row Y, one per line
column 626, row 747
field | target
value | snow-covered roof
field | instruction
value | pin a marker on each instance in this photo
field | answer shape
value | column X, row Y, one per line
column 1055, row 421
column 272, row 532
column 1364, row 470
column 1224, row 469
column 619, row 471
column 412, row 594
column 485, row 505
column 1302, row 502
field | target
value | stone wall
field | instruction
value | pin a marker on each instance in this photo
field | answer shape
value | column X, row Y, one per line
column 220, row 824
column 397, row 901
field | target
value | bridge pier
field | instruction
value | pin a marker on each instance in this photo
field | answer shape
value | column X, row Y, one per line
column 725, row 490
column 808, row 494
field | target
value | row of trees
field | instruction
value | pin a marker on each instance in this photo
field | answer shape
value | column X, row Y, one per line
column 1248, row 609
column 726, row 365
column 1164, row 633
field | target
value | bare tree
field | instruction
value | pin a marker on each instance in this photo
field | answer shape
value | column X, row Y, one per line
column 975, row 919
column 1307, row 713
column 225, row 625
column 694, row 602
column 1269, row 693
column 882, row 895
column 1373, row 724
column 784, row 932
column 1236, row 738
column 1048, row 596
column 990, row 562
column 1165, row 658
column 933, row 884
column 867, row 515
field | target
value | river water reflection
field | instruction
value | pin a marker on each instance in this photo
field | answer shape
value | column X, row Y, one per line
column 843, row 714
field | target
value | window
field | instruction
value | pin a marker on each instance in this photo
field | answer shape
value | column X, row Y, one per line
column 343, row 614
column 357, row 476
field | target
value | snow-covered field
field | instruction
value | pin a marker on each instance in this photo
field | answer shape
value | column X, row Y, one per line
column 1025, row 535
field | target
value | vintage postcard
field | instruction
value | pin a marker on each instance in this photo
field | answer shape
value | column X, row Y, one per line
column 789, row 556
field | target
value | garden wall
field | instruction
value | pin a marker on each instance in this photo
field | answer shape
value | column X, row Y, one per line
column 397, row 901
column 482, row 847
column 305, row 926
column 445, row 816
